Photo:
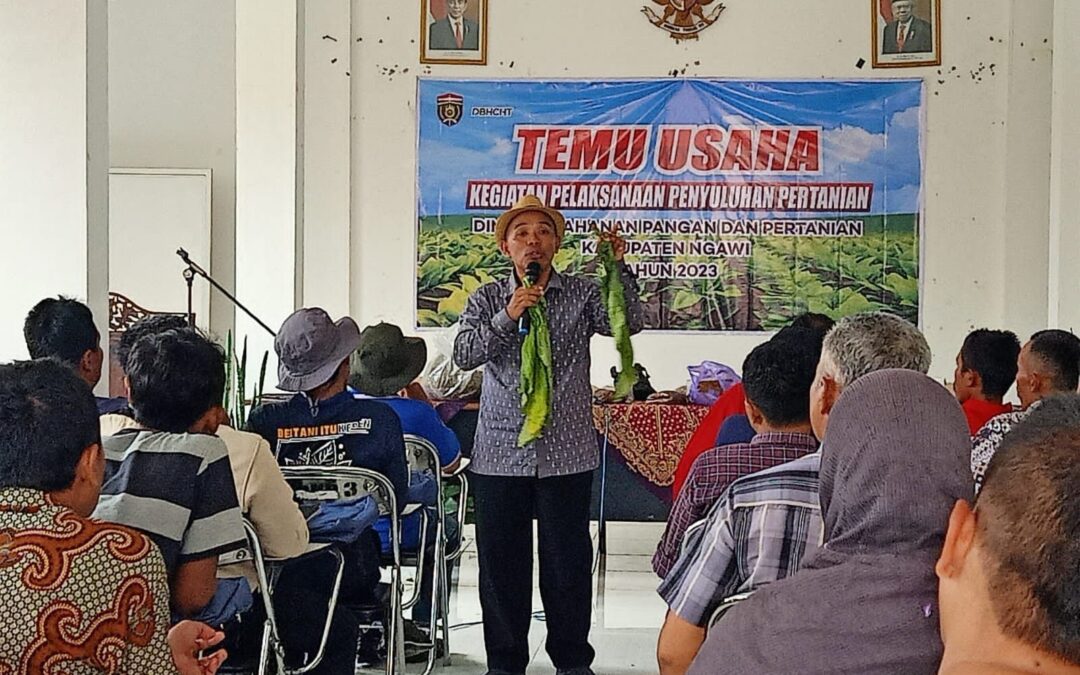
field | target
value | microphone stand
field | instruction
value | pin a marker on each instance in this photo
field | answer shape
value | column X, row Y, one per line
column 189, row 277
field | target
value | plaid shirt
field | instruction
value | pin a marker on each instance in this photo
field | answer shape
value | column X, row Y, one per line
column 712, row 473
column 985, row 443
column 758, row 532
column 489, row 337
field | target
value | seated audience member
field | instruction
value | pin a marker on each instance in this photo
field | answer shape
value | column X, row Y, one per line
column 985, row 370
column 80, row 595
column 777, row 376
column 169, row 476
column 325, row 425
column 384, row 365
column 765, row 523
column 266, row 500
column 1007, row 584
column 893, row 464
column 63, row 329
column 263, row 495
column 1048, row 364
column 732, row 402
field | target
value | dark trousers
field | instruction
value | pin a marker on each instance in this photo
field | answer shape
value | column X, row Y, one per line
column 505, row 508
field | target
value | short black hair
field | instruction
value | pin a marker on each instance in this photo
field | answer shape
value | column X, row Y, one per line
column 175, row 377
column 1059, row 350
column 60, row 328
column 148, row 325
column 777, row 375
column 1029, row 510
column 813, row 321
column 992, row 354
column 48, row 417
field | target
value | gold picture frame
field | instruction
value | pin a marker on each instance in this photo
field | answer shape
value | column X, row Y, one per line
column 917, row 45
column 446, row 41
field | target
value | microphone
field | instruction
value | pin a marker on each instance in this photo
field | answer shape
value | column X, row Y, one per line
column 532, row 275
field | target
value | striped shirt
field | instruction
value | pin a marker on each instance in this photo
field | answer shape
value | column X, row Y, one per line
column 713, row 472
column 759, row 532
column 176, row 488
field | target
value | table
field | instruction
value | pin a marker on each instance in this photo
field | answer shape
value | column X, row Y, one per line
column 641, row 444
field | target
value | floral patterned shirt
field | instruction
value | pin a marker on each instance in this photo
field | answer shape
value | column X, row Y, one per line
column 80, row 595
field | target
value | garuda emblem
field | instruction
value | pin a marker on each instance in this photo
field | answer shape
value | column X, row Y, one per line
column 684, row 19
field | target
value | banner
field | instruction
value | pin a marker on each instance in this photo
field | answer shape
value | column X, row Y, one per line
column 743, row 203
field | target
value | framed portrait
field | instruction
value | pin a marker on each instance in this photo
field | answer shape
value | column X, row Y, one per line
column 907, row 33
column 453, row 31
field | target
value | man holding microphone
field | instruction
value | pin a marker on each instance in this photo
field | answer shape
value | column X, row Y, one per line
column 549, row 477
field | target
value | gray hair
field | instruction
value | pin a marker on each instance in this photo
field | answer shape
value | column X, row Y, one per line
column 864, row 343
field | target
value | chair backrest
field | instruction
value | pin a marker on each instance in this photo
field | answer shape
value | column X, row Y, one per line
column 421, row 454
column 726, row 606
column 329, row 483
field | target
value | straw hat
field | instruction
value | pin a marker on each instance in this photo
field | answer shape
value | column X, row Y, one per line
column 523, row 205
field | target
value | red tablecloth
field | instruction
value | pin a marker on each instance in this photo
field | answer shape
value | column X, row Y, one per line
column 650, row 436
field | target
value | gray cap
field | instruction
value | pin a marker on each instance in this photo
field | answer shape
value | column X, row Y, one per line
column 310, row 347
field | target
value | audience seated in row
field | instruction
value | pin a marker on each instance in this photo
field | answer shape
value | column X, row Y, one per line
column 776, row 376
column 80, row 595
column 384, row 368
column 711, row 433
column 985, row 371
column 762, row 526
column 262, row 493
column 170, row 476
column 894, row 461
column 1007, row 583
column 1048, row 364
column 63, row 329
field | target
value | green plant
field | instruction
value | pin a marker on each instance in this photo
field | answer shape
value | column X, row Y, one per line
column 236, row 403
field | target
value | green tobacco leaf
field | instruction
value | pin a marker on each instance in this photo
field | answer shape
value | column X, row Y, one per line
column 429, row 319
column 684, row 300
column 906, row 289
column 453, row 305
column 469, row 283
column 854, row 303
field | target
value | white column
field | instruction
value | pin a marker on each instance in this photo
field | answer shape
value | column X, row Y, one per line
column 1027, row 166
column 325, row 191
column 1064, row 277
column 54, row 164
column 266, row 170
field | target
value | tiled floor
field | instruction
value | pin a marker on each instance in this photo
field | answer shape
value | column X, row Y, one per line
column 627, row 613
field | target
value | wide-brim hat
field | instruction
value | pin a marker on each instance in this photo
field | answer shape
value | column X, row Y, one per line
column 529, row 203
column 310, row 348
column 386, row 360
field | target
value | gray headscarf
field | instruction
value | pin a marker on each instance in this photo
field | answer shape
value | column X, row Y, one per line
column 894, row 461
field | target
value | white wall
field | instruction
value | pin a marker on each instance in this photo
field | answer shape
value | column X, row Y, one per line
column 1065, row 166
column 266, row 168
column 172, row 104
column 54, row 159
column 987, row 154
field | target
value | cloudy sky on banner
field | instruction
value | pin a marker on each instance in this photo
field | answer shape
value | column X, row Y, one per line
column 870, row 129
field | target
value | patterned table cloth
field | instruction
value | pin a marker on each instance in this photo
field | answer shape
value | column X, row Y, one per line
column 649, row 436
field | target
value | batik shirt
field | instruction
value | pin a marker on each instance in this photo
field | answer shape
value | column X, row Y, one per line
column 489, row 337
column 79, row 595
column 985, row 443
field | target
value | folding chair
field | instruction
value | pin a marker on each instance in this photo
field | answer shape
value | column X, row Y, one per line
column 422, row 456
column 267, row 570
column 328, row 483
column 726, row 606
